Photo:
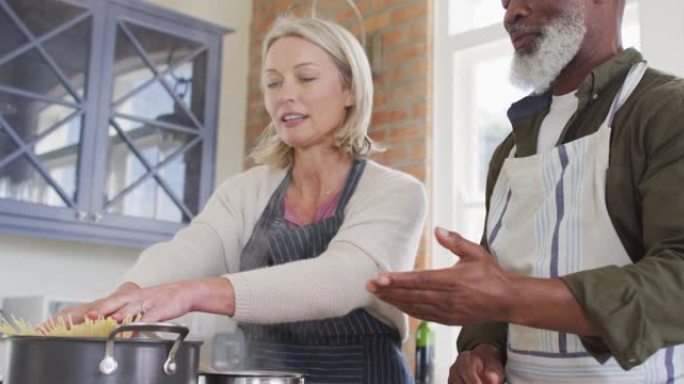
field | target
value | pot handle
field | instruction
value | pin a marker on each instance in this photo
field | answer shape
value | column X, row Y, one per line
column 108, row 365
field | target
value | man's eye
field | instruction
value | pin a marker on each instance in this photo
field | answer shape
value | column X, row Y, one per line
column 272, row 84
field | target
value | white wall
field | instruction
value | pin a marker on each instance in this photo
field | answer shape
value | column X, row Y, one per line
column 32, row 266
column 662, row 34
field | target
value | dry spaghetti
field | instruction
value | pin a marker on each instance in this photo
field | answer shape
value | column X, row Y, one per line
column 59, row 327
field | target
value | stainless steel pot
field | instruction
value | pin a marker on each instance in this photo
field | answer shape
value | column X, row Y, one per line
column 34, row 359
column 251, row 377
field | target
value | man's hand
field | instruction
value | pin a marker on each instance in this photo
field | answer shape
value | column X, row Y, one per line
column 482, row 365
column 474, row 290
column 478, row 290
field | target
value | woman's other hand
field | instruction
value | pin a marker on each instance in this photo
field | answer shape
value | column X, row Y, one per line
column 482, row 365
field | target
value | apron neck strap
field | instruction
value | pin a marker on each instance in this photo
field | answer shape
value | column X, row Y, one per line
column 636, row 73
column 350, row 183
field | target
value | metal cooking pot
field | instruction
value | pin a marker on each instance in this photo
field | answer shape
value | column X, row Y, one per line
column 36, row 359
column 251, row 377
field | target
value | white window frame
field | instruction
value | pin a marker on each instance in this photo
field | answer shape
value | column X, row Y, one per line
column 657, row 18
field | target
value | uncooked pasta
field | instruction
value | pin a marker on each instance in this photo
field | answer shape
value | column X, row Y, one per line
column 59, row 327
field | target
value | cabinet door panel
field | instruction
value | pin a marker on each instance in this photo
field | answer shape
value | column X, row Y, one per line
column 12, row 38
column 42, row 84
column 31, row 72
column 41, row 17
column 107, row 120
column 70, row 50
column 44, row 167
column 147, row 165
column 155, row 141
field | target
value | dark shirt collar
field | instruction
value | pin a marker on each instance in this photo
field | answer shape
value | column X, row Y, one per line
column 603, row 75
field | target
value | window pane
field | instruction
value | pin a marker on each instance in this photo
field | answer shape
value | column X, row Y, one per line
column 162, row 48
column 42, row 16
column 465, row 15
column 149, row 201
column 483, row 96
column 20, row 180
column 12, row 38
column 55, row 134
column 146, row 198
column 182, row 175
column 31, row 72
column 70, row 50
column 137, row 93
column 58, row 153
column 631, row 28
column 165, row 141
column 29, row 117
column 7, row 145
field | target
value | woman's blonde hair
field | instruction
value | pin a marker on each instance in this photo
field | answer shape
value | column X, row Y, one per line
column 354, row 69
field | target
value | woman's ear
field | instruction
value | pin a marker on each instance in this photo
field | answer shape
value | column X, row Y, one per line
column 350, row 100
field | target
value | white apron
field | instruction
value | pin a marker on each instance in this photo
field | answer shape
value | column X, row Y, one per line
column 548, row 218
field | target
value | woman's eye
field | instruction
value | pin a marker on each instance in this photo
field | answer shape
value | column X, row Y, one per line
column 272, row 84
column 307, row 79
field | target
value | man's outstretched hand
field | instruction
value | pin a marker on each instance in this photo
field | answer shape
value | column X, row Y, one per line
column 474, row 290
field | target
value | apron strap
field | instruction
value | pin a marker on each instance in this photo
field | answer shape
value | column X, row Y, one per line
column 350, row 184
column 636, row 73
column 274, row 208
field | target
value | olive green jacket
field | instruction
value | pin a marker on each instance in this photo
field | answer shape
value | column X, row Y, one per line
column 639, row 308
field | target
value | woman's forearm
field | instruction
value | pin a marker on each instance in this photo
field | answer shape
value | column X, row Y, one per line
column 213, row 295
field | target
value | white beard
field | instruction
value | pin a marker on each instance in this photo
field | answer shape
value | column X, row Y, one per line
column 558, row 44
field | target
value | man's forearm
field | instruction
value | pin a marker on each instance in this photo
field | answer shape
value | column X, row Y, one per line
column 547, row 304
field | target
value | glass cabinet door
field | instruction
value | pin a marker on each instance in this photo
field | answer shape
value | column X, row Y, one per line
column 156, row 127
column 108, row 118
column 44, row 52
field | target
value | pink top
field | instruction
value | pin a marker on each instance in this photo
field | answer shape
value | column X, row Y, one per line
column 323, row 211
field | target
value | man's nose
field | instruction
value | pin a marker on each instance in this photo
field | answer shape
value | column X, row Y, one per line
column 516, row 11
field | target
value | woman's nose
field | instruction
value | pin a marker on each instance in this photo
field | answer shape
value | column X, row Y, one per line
column 287, row 93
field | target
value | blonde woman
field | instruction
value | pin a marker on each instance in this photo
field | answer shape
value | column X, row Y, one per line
column 286, row 248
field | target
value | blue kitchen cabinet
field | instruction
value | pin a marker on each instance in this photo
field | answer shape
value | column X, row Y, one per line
column 108, row 116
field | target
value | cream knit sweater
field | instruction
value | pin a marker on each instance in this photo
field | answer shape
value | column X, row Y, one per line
column 381, row 230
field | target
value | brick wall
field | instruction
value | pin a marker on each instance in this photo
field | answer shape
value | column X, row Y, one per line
column 402, row 75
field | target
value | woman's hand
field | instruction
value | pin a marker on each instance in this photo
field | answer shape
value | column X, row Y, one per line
column 482, row 365
column 78, row 314
column 162, row 302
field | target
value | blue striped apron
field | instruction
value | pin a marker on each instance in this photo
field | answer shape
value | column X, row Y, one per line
column 548, row 218
column 356, row 348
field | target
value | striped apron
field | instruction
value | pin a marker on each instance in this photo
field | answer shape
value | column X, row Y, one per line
column 548, row 218
column 356, row 348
